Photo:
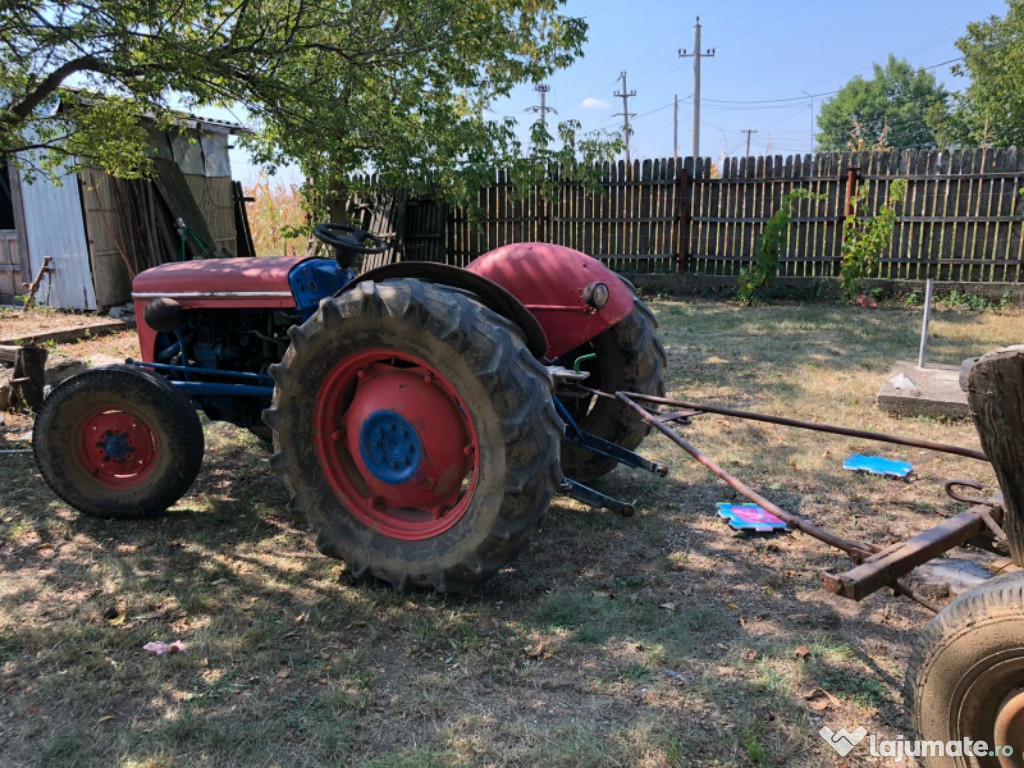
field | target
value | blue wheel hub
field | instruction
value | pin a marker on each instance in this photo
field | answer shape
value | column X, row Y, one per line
column 390, row 447
column 115, row 446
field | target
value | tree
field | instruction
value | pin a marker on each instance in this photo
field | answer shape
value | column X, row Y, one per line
column 401, row 87
column 899, row 107
column 991, row 110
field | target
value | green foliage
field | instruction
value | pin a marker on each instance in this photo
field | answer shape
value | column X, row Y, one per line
column 765, row 269
column 899, row 107
column 401, row 88
column 976, row 302
column 864, row 239
column 991, row 110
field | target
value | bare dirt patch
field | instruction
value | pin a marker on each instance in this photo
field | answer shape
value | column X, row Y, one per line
column 24, row 323
column 662, row 640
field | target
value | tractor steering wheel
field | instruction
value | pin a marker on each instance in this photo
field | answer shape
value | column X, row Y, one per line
column 349, row 240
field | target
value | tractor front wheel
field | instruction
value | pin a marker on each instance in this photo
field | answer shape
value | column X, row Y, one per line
column 966, row 677
column 416, row 433
column 118, row 442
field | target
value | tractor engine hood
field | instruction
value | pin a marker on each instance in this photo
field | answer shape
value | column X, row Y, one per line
column 216, row 282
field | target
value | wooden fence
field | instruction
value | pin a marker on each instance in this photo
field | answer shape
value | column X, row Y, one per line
column 961, row 219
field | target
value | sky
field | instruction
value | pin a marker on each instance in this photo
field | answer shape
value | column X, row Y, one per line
column 774, row 61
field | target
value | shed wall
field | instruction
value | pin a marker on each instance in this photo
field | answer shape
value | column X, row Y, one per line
column 54, row 227
column 10, row 266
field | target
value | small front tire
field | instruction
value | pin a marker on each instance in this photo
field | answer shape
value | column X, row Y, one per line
column 118, row 442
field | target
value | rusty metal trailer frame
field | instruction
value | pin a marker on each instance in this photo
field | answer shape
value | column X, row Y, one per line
column 876, row 567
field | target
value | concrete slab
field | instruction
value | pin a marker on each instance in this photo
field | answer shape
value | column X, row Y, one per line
column 930, row 391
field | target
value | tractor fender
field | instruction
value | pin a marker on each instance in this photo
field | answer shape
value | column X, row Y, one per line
column 551, row 282
column 489, row 293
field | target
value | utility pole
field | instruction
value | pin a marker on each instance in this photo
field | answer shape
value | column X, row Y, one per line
column 675, row 131
column 697, row 56
column 543, row 90
column 811, row 96
column 748, row 131
column 626, row 114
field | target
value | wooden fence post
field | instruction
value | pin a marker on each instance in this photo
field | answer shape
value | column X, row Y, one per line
column 683, row 216
column 541, row 214
column 852, row 177
column 995, row 390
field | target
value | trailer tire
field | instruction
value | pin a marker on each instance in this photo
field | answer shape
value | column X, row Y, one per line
column 118, row 442
column 630, row 358
column 490, row 394
column 966, row 675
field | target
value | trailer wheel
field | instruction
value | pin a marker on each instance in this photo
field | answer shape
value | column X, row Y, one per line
column 118, row 442
column 416, row 432
column 629, row 358
column 966, row 676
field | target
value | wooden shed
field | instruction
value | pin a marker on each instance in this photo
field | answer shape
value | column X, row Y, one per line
column 89, row 234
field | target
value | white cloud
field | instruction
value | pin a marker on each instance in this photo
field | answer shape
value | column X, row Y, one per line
column 592, row 103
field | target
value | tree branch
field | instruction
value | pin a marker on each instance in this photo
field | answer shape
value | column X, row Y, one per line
column 52, row 82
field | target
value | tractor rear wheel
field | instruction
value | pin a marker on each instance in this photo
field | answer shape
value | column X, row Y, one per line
column 118, row 442
column 966, row 677
column 629, row 358
column 416, row 433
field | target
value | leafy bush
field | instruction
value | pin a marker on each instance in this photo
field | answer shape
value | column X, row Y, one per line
column 864, row 239
column 764, row 271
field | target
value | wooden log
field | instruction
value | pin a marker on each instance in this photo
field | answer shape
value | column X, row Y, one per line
column 8, row 354
column 29, row 376
column 995, row 391
column 6, row 375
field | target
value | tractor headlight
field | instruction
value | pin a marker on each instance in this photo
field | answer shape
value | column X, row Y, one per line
column 596, row 295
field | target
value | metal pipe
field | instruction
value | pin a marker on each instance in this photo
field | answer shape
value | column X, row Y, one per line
column 924, row 323
column 858, row 551
column 814, row 426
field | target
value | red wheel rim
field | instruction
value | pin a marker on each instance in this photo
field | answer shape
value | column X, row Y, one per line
column 117, row 448
column 396, row 444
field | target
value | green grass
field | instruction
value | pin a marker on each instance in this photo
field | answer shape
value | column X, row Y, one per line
column 661, row 640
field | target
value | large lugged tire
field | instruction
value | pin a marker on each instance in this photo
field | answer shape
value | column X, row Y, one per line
column 118, row 442
column 629, row 358
column 966, row 676
column 416, row 433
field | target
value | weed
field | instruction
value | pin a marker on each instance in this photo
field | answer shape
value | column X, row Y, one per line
column 764, row 271
column 864, row 239
column 756, row 753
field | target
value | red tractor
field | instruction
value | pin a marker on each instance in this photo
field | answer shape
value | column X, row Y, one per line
column 413, row 408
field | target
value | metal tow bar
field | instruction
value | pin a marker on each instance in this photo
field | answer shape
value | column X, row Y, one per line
column 877, row 566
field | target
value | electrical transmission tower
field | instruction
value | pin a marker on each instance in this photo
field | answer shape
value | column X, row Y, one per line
column 627, row 129
column 543, row 107
column 697, row 56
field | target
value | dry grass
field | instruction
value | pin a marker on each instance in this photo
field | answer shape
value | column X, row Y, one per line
column 277, row 205
column 662, row 640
